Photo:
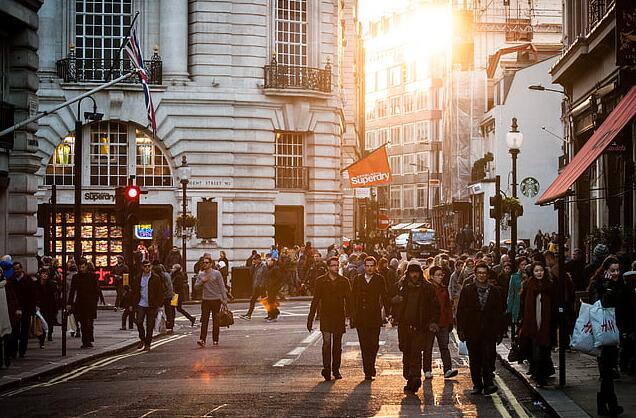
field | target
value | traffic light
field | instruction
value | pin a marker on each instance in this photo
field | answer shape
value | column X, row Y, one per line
column 495, row 206
column 127, row 203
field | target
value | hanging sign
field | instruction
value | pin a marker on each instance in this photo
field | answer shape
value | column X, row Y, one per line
column 530, row 187
column 373, row 170
column 143, row 231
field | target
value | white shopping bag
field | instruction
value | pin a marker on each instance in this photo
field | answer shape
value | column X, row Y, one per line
column 71, row 323
column 160, row 321
column 604, row 325
column 583, row 337
column 45, row 326
column 463, row 348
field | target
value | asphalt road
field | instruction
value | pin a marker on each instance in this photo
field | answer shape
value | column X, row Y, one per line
column 258, row 369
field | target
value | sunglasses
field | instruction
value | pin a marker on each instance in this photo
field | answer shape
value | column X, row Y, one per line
column 146, row 265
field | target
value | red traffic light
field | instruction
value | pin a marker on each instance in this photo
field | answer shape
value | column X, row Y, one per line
column 132, row 193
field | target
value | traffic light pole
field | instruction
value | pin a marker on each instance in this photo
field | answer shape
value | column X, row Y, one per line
column 498, row 217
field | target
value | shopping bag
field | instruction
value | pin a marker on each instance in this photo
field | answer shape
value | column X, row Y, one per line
column 35, row 330
column 175, row 300
column 45, row 326
column 463, row 348
column 226, row 317
column 71, row 323
column 160, row 322
column 604, row 325
column 520, row 350
column 582, row 336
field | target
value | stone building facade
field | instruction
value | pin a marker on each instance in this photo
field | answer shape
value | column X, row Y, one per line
column 245, row 90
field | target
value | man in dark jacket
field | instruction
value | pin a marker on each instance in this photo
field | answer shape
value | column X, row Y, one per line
column 117, row 275
column 481, row 323
column 25, row 292
column 333, row 296
column 416, row 313
column 317, row 269
column 148, row 296
column 369, row 296
column 272, row 279
column 82, row 300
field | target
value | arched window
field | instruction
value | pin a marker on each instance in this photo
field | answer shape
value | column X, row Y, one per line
column 111, row 158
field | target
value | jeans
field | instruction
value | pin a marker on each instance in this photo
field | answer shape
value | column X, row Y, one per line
column 20, row 334
column 331, row 351
column 482, row 355
column 256, row 294
column 127, row 314
column 207, row 307
column 411, row 343
column 369, row 345
column 442, row 343
column 606, row 364
column 149, row 315
column 183, row 311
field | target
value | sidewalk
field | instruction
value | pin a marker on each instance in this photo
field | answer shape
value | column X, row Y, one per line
column 578, row 397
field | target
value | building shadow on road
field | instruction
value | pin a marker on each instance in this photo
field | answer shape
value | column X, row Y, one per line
column 359, row 397
column 311, row 404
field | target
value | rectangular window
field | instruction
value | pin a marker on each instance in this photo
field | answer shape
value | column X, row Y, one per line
column 291, row 32
column 109, row 154
column 423, row 131
column 422, row 192
column 408, row 196
column 396, row 198
column 288, row 156
column 409, row 133
column 395, row 161
column 395, row 76
column 396, row 137
column 423, row 161
column 381, row 80
column 151, row 166
column 100, row 26
column 382, row 137
column 60, row 169
column 421, row 100
column 395, row 104
column 370, row 82
column 407, row 102
column 411, row 72
column 370, row 140
column 380, row 108
column 409, row 163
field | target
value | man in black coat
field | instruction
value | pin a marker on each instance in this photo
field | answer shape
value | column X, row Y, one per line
column 25, row 292
column 369, row 296
column 148, row 295
column 82, row 300
column 416, row 311
column 333, row 295
column 481, row 323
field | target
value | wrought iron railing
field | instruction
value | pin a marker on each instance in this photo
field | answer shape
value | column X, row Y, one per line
column 281, row 76
column 292, row 177
column 73, row 70
column 596, row 10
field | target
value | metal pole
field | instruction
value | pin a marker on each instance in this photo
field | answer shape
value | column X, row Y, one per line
column 560, row 206
column 513, row 228
column 497, row 219
column 428, row 194
column 53, row 212
column 184, row 263
column 77, row 179
column 66, row 103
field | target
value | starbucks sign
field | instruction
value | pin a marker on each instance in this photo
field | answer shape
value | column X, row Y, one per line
column 530, row 187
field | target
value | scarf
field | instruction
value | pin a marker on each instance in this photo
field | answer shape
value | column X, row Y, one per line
column 482, row 294
column 537, row 304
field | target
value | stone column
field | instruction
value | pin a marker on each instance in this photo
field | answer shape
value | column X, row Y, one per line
column 49, row 35
column 173, row 39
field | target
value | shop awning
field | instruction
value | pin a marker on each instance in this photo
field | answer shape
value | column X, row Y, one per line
column 593, row 148
column 399, row 226
column 415, row 225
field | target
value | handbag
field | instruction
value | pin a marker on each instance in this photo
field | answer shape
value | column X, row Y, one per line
column 160, row 322
column 604, row 325
column 520, row 350
column 582, row 337
column 226, row 317
column 71, row 323
column 35, row 330
column 175, row 300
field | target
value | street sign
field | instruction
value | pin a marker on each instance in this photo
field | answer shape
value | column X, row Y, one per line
column 383, row 222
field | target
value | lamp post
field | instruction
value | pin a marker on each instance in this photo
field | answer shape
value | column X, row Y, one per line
column 185, row 172
column 514, row 139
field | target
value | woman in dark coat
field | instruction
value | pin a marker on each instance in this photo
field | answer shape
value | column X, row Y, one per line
column 82, row 301
column 47, row 301
column 538, row 319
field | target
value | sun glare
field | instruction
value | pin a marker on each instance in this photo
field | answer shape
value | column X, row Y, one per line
column 427, row 33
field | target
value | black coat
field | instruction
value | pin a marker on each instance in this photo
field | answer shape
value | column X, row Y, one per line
column 368, row 300
column 476, row 324
column 156, row 291
column 428, row 308
column 47, row 295
column 84, row 296
column 334, row 299
column 26, row 293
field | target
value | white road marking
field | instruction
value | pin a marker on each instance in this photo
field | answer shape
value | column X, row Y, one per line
column 311, row 337
column 297, row 351
column 215, row 409
column 152, row 411
column 283, row 362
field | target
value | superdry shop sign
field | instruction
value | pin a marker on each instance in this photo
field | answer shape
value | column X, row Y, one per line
column 374, row 170
column 99, row 197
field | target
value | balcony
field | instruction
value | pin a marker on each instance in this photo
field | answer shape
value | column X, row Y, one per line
column 294, row 80
column 596, row 10
column 292, row 177
column 94, row 70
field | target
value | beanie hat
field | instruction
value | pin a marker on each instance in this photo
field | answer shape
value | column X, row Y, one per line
column 414, row 265
column 601, row 250
column 394, row 263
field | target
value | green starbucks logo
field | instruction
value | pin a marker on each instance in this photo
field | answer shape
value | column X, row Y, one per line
column 530, row 187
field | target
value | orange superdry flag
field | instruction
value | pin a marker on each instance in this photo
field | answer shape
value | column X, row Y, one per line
column 374, row 170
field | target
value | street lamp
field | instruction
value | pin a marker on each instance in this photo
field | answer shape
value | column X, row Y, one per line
column 514, row 139
column 185, row 172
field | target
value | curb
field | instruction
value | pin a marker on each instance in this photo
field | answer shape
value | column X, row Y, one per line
column 51, row 369
column 555, row 400
column 235, row 300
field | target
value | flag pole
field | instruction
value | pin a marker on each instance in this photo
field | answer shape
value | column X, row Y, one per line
column 66, row 103
column 121, row 46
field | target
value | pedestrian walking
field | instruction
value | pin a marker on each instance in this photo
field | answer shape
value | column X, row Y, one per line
column 480, row 323
column 117, row 275
column 538, row 321
column 25, row 292
column 257, row 271
column 213, row 295
column 416, row 313
column 148, row 297
column 273, row 280
column 441, row 333
column 179, row 286
column 82, row 301
column 8, row 318
column 333, row 296
column 168, row 294
column 606, row 286
column 47, row 302
column 369, row 296
column 455, row 285
column 513, row 299
column 128, row 309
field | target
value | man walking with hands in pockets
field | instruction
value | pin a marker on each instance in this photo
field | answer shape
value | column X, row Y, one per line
column 214, row 294
column 332, row 294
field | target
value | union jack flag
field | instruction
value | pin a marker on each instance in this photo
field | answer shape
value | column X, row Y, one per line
column 133, row 49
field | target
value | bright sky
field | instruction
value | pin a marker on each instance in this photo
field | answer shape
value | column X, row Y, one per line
column 374, row 9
